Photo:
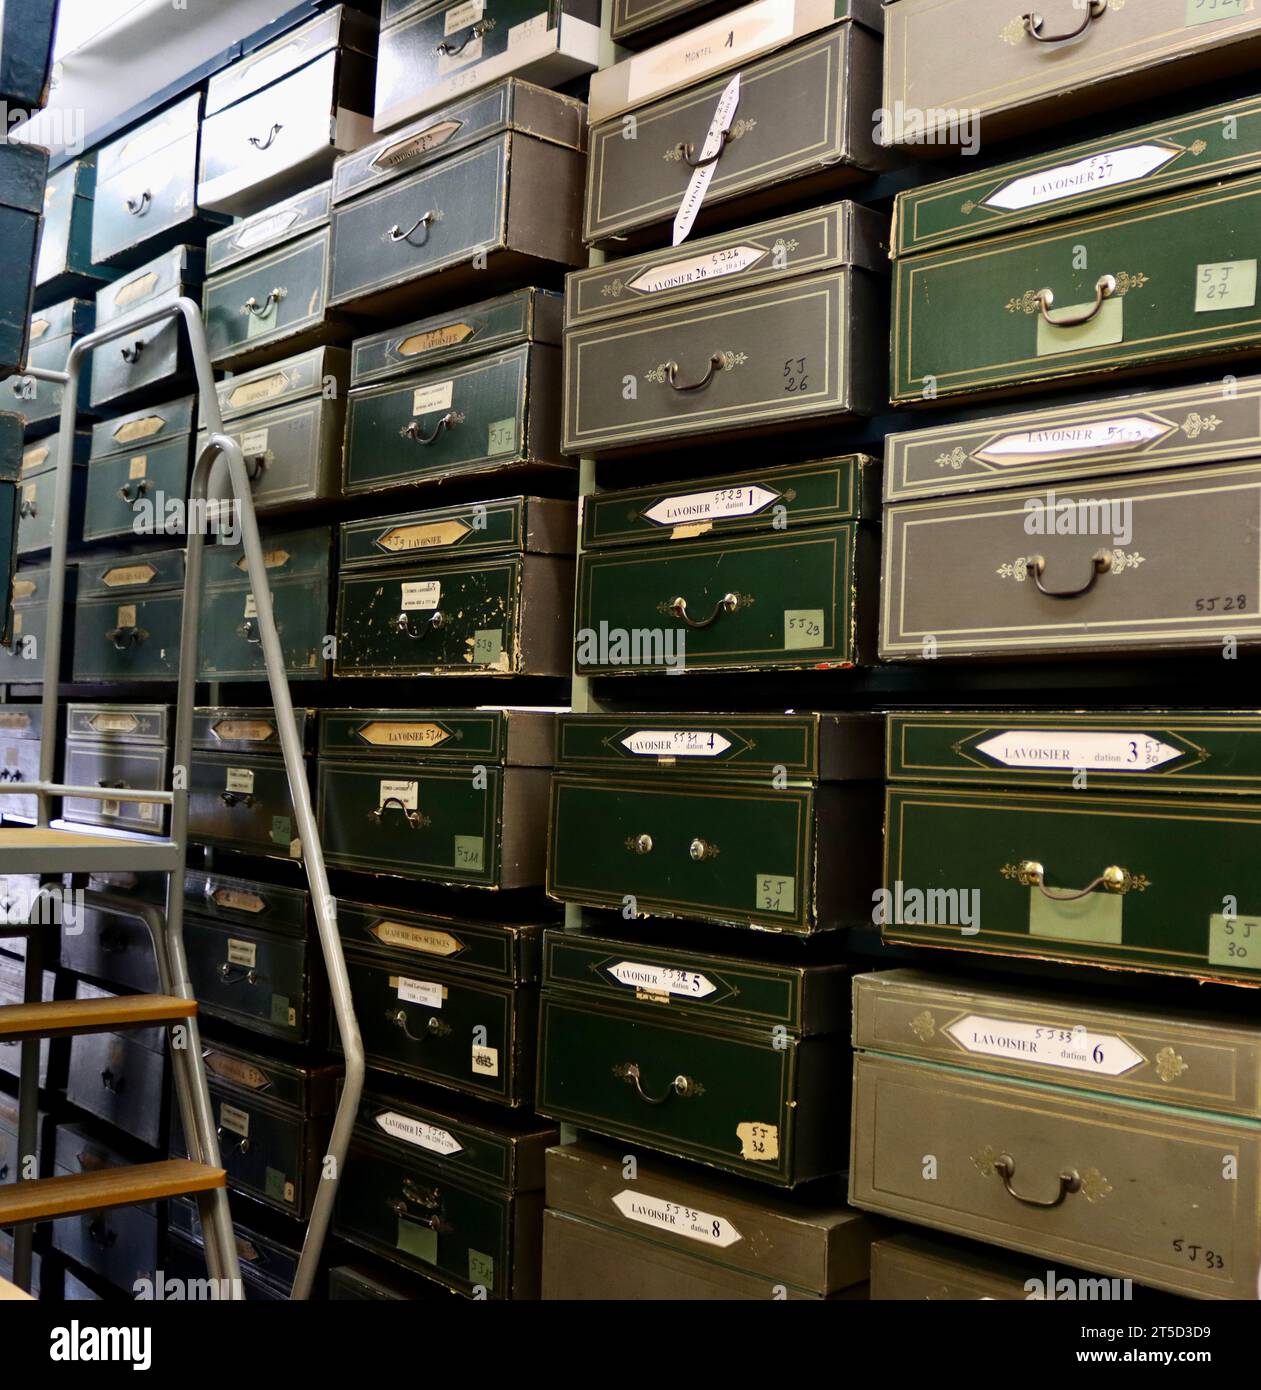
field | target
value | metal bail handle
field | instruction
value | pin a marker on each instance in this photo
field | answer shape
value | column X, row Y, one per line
column 394, row 233
column 1069, row 1179
column 124, row 637
column 435, row 1028
column 717, row 361
column 681, row 1086
column 446, row 49
column 139, row 206
column 727, row 604
column 1100, row 563
column 684, row 151
column 131, row 354
column 1114, row 879
column 242, row 975
column 1033, row 24
column 133, row 492
column 269, row 140
column 245, row 799
column 394, row 803
column 404, row 625
column 242, row 1145
column 252, row 306
column 418, row 436
column 1105, row 288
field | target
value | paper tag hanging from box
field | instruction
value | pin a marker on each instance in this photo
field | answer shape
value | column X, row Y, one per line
column 707, row 160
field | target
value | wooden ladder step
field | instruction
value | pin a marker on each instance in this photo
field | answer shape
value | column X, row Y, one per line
column 67, row 1017
column 45, row 1199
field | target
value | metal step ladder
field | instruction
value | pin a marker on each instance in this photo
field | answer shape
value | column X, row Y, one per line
column 53, row 848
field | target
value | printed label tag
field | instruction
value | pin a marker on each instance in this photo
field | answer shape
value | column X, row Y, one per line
column 661, row 979
column 481, row 1269
column 424, row 1136
column 485, row 1061
column 127, row 615
column 406, row 792
column 1116, row 750
column 469, row 852
column 463, row 16
column 240, row 779
column 1225, row 285
column 758, row 1142
column 435, row 535
column 384, row 733
column 235, row 1120
column 1234, row 941
column 1107, row 326
column 238, row 899
column 709, row 47
column 424, row 594
column 251, row 608
column 114, row 723
column 434, row 397
column 1075, row 1049
column 265, row 389
column 803, row 628
column 719, row 505
column 731, row 260
column 1028, row 446
column 675, row 1219
column 254, row 443
column 1104, row 170
column 256, row 233
column 698, row 184
column 774, row 893
column 1095, row 917
column 421, row 992
column 242, row 953
column 423, row 939
column 675, row 743
column 431, row 138
column 136, row 467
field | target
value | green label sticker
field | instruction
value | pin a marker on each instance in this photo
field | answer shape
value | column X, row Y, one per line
column 469, row 852
column 1206, row 11
column 803, row 627
column 417, row 1240
column 481, row 1269
column 501, row 436
column 1234, row 941
column 1104, row 328
column 488, row 646
column 275, row 1186
column 1096, row 917
column 281, row 830
column 775, row 893
column 281, row 1013
column 1225, row 285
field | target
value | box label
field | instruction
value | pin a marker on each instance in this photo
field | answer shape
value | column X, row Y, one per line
column 469, row 852
column 240, row 779
column 1107, row 326
column 431, row 138
column 434, row 397
column 251, row 608
column 1108, row 169
column 423, row 939
column 1206, row 11
column 661, row 980
column 1120, row 750
column 697, row 270
column 235, row 1120
column 485, row 1061
column 424, row 1136
column 431, row 536
column 242, row 953
column 501, row 436
column 254, row 443
column 1075, row 1049
column 481, row 1269
column 488, row 646
column 774, row 893
column 676, row 1219
column 675, row 743
column 758, row 1142
column 1095, row 917
column 1234, row 941
column 528, row 29
column 421, row 595
column 1225, row 285
column 463, row 16
column 720, row 504
column 709, row 47
column 1028, row 446
column 396, row 792
column 136, row 467
column 424, row 992
column 803, row 628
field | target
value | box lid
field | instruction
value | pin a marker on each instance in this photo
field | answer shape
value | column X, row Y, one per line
column 285, row 554
column 341, row 27
column 525, row 316
column 132, row 575
column 823, row 238
column 242, row 902
column 23, row 173
column 127, row 724
column 507, row 105
column 153, row 425
column 508, row 736
column 1195, row 1061
column 685, row 982
column 716, row 47
column 503, row 950
column 245, row 730
column 305, row 212
column 164, row 278
column 144, row 140
column 71, row 317
column 767, row 499
column 21, row 721
column 810, row 1243
column 309, row 1089
column 294, row 379
column 506, row 1151
column 1165, row 155
column 1096, row 438
column 508, row 525
column 800, row 747
column 1194, row 751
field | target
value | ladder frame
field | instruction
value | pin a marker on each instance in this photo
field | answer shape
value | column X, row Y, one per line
column 217, row 1230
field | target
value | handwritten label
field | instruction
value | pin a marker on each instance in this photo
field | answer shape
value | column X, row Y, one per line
column 501, row 436
column 1225, row 285
column 401, row 151
column 758, row 1142
column 1075, row 1049
column 525, row 31
column 675, row 743
column 1120, row 750
column 469, row 852
column 1107, row 169
column 481, row 1269
column 774, row 893
column 384, row 733
column 674, row 1218
column 418, row 1132
column 485, row 1061
column 488, row 646
column 1028, row 446
column 1206, row 11
column 803, row 628
column 721, row 504
column 433, row 535
column 661, row 979
column 254, row 443
column 698, row 270
column 1234, row 941
column 137, row 467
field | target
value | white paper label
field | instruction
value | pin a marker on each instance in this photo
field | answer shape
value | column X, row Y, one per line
column 1113, row 750
column 1028, row 446
column 675, row 743
column 1076, row 1049
column 251, row 608
column 451, row 62
column 420, row 992
column 235, row 1120
column 406, row 792
column 721, row 504
column 660, row 979
column 485, row 1061
column 528, row 29
column 424, row 1136
column 242, row 953
column 463, row 16
column 1106, row 170
column 240, row 779
column 434, row 397
column 1225, row 285
column 254, row 443
column 696, row 271
column 709, row 48
column 698, row 184
column 255, row 233
column 676, row 1219
column 420, row 595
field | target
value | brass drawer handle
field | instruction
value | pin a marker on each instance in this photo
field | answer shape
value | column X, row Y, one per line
column 249, row 630
column 1105, row 288
column 113, row 1083
column 395, row 234
column 404, row 624
column 260, row 461
column 232, row 799
column 435, row 1223
column 1100, row 563
column 131, row 355
column 413, row 818
column 682, row 1086
column 1070, row 1181
column 729, row 603
column 242, row 975
column 435, row 1028
column 452, row 50
column 139, row 206
column 700, row 850
column 1033, row 24
column 640, row 844
column 28, row 508
column 416, row 433
column 717, row 362
column 242, row 1145
column 267, row 143
column 684, row 152
column 132, row 492
column 124, row 637
column 252, row 306
column 1114, row 879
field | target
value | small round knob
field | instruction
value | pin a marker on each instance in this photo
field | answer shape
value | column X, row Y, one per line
column 1114, row 879
column 643, row 844
column 698, row 849
column 1031, row 872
